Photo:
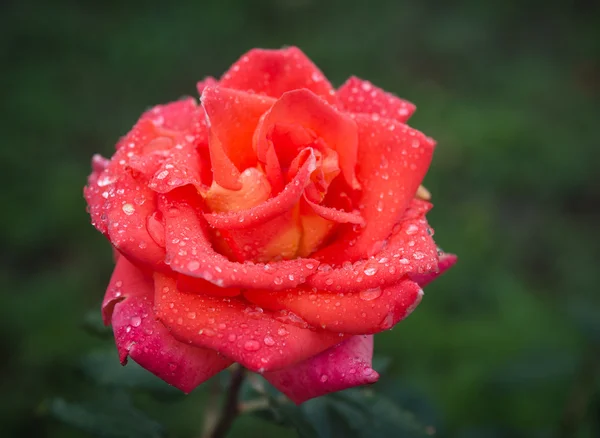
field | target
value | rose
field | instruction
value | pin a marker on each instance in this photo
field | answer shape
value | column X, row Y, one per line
column 279, row 224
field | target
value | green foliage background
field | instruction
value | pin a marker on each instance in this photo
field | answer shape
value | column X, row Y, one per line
column 504, row 345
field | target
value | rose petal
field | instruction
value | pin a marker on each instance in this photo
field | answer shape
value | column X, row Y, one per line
column 315, row 231
column 177, row 116
column 93, row 193
column 392, row 161
column 208, row 81
column 409, row 250
column 182, row 166
column 128, row 206
column 197, row 258
column 344, row 366
column 232, row 117
column 273, row 72
column 446, row 261
column 240, row 332
column 306, row 109
column 335, row 215
column 358, row 96
column 275, row 239
column 200, row 286
column 255, row 190
column 270, row 209
column 364, row 312
column 128, row 305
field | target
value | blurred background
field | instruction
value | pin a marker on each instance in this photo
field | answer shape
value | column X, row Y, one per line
column 504, row 345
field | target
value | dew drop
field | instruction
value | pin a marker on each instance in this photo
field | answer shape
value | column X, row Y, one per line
column 128, row 209
column 282, row 331
column 193, row 265
column 231, row 337
column 251, row 345
column 370, row 294
column 136, row 321
column 368, row 371
column 324, row 378
column 369, row 272
column 268, row 340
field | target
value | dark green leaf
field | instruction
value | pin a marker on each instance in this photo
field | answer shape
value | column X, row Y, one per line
column 104, row 368
column 111, row 416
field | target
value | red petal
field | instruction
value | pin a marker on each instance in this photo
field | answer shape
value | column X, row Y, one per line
column 446, row 262
column 224, row 171
column 232, row 116
column 392, row 161
column 273, row 72
column 197, row 258
column 306, row 109
column 358, row 96
column 270, row 209
column 344, row 366
column 276, row 239
column 128, row 304
column 178, row 116
column 93, row 193
column 367, row 311
column 128, row 206
column 335, row 215
column 410, row 250
column 200, row 286
column 244, row 334
column 182, row 166
column 208, row 81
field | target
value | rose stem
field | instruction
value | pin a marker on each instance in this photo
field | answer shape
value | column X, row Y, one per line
column 231, row 407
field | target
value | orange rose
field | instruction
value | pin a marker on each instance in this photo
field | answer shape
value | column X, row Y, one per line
column 275, row 224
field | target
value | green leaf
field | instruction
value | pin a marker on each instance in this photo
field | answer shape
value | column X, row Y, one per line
column 110, row 416
column 354, row 413
column 373, row 414
column 105, row 369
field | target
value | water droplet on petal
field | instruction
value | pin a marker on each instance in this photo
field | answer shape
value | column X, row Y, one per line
column 324, row 378
column 251, row 345
column 128, row 209
column 193, row 265
column 268, row 340
column 370, row 294
column 136, row 321
column 370, row 271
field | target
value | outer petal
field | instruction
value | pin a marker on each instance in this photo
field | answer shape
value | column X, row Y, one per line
column 232, row 117
column 410, row 250
column 178, row 116
column 306, row 109
column 245, row 334
column 128, row 207
column 367, row 311
column 273, row 72
column 196, row 257
column 392, row 161
column 128, row 305
column 93, row 193
column 446, row 262
column 358, row 96
column 344, row 366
